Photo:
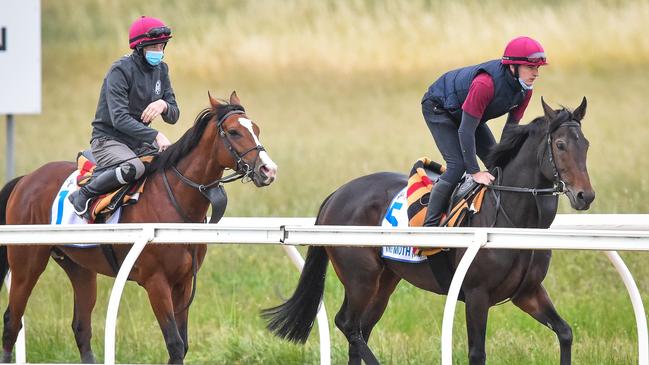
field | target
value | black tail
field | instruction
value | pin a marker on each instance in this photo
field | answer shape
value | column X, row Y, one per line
column 294, row 319
column 4, row 198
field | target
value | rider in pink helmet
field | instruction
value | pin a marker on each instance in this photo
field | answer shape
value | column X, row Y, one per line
column 135, row 92
column 459, row 104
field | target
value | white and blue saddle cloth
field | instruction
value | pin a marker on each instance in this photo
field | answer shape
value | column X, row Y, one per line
column 397, row 216
column 63, row 212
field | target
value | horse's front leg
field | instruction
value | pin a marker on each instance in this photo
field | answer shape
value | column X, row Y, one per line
column 539, row 305
column 159, row 294
column 477, row 311
column 181, row 297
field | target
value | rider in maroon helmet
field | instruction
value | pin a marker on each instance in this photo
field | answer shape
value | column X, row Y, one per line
column 135, row 91
column 458, row 105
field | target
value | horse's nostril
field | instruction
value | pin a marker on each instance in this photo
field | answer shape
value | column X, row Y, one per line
column 267, row 171
column 586, row 197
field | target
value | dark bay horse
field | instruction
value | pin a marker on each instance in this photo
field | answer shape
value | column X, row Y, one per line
column 222, row 137
column 549, row 154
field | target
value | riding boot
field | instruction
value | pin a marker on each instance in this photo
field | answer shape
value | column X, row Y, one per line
column 101, row 184
column 437, row 202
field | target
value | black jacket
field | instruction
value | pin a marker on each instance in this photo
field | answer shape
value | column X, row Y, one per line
column 129, row 87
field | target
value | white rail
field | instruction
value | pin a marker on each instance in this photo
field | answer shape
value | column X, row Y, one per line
column 614, row 232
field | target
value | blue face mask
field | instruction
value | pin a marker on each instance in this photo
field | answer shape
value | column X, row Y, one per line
column 524, row 85
column 154, row 57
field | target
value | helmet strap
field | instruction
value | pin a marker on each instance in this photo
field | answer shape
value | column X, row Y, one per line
column 516, row 71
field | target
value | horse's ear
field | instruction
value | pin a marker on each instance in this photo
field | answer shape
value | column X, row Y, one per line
column 234, row 99
column 580, row 112
column 550, row 114
column 214, row 102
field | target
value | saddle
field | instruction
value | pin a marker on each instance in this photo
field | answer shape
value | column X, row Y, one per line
column 104, row 206
column 465, row 201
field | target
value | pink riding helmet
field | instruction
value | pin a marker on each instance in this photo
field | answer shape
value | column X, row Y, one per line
column 524, row 51
column 146, row 31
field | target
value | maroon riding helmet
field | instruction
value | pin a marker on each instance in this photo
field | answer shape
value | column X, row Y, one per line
column 146, row 31
column 524, row 51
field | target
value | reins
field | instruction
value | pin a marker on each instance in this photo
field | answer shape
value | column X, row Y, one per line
column 242, row 172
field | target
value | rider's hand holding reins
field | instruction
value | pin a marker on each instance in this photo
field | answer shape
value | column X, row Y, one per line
column 153, row 110
column 162, row 141
column 483, row 177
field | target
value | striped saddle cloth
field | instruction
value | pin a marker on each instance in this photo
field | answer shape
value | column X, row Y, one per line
column 104, row 205
column 466, row 199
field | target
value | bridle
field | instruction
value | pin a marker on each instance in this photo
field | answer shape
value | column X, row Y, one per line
column 243, row 169
column 558, row 185
column 242, row 172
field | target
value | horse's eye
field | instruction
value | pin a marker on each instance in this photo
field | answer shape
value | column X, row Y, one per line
column 233, row 133
column 561, row 145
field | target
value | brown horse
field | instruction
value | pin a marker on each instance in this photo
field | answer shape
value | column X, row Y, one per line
column 222, row 137
column 538, row 161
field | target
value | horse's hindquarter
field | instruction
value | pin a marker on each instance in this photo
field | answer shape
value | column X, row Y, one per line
column 30, row 202
column 32, row 198
column 360, row 202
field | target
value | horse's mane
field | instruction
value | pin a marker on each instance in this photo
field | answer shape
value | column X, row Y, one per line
column 190, row 139
column 515, row 135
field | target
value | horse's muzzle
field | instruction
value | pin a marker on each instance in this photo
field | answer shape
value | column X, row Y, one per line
column 581, row 199
column 264, row 175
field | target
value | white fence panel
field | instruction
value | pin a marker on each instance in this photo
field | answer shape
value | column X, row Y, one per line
column 613, row 232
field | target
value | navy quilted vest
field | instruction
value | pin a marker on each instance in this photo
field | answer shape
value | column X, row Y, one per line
column 451, row 89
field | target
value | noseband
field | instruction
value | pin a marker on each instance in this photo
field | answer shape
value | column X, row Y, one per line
column 214, row 191
column 558, row 185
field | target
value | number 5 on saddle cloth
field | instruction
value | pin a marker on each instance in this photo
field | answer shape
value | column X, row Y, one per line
column 466, row 200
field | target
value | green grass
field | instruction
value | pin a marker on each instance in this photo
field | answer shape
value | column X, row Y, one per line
column 335, row 87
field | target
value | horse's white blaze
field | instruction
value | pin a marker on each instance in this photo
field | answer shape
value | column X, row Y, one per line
column 247, row 123
column 265, row 158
